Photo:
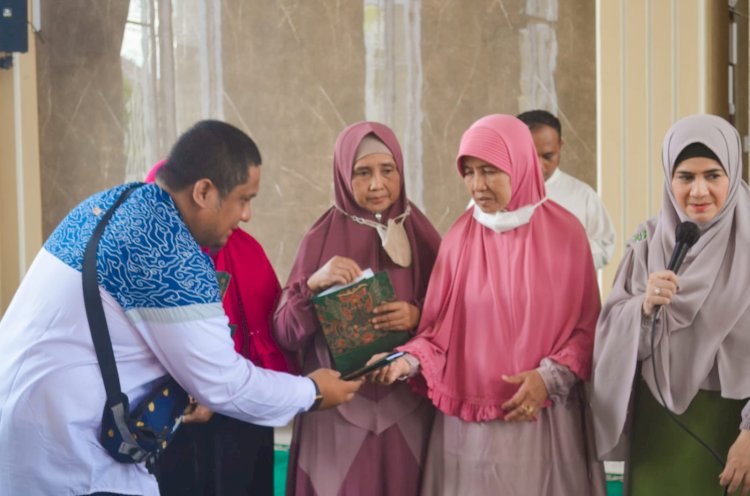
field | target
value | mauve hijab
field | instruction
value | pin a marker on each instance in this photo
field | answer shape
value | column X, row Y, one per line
column 499, row 303
column 337, row 234
column 703, row 335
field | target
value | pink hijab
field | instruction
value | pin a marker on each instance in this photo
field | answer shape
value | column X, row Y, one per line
column 498, row 303
column 251, row 296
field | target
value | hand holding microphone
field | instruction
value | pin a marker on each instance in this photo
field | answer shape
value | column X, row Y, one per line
column 660, row 289
column 662, row 285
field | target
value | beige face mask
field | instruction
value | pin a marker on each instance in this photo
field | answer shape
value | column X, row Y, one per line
column 396, row 242
column 393, row 237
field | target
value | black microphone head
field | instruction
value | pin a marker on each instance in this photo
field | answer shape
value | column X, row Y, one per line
column 687, row 233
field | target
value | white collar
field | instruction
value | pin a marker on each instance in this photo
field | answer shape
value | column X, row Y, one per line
column 554, row 177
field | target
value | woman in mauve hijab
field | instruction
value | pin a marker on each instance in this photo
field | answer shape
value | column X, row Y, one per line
column 374, row 445
column 507, row 333
column 702, row 333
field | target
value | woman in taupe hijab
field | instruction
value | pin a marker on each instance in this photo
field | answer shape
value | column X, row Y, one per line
column 702, row 338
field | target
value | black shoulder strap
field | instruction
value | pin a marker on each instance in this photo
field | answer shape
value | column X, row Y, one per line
column 95, row 310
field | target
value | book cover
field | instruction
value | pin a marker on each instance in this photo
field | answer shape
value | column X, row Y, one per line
column 345, row 314
column 223, row 279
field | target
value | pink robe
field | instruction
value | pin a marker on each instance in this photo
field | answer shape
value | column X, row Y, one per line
column 502, row 303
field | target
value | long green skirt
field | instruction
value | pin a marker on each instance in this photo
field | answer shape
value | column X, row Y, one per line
column 665, row 460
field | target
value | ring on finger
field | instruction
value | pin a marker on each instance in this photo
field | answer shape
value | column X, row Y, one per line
column 657, row 291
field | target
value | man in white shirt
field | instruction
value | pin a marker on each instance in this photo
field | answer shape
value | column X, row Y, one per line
column 163, row 309
column 576, row 196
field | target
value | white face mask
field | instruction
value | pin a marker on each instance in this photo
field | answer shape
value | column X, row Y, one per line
column 506, row 221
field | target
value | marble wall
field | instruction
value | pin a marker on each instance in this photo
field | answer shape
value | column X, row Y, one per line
column 80, row 98
column 118, row 81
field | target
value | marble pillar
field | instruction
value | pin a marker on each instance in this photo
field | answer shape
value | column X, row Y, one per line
column 120, row 80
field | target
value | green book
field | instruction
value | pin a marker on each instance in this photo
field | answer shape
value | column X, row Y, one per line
column 223, row 279
column 345, row 314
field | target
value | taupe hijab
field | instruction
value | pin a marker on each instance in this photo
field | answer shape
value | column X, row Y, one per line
column 703, row 336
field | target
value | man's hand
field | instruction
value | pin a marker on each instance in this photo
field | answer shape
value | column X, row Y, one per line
column 195, row 413
column 338, row 270
column 334, row 390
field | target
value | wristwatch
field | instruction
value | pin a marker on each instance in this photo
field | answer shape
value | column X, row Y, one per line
column 318, row 398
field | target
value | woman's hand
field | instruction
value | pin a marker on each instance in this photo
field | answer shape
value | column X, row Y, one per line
column 524, row 406
column 338, row 270
column 660, row 289
column 389, row 374
column 738, row 465
column 396, row 316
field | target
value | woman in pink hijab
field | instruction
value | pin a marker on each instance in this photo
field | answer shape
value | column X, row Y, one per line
column 375, row 444
column 507, row 333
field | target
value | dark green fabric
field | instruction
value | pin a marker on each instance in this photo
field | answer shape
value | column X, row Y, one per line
column 665, row 460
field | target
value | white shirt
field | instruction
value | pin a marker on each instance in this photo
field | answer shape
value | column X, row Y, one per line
column 583, row 202
column 51, row 390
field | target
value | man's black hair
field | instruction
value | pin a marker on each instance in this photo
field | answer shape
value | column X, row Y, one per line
column 536, row 118
column 210, row 149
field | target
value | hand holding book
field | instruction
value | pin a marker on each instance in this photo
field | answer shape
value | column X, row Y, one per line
column 336, row 271
column 395, row 316
column 346, row 315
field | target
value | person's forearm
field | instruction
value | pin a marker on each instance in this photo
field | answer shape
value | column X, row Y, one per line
column 295, row 321
column 745, row 422
column 558, row 379
column 600, row 253
column 200, row 356
column 645, row 336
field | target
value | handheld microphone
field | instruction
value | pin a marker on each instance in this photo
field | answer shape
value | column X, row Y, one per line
column 685, row 236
